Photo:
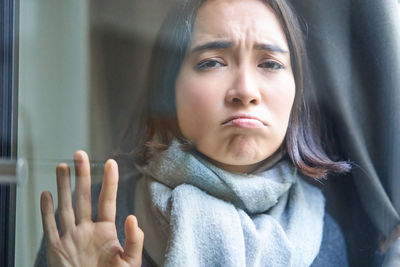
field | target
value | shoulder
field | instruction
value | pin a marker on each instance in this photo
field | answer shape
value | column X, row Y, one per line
column 333, row 250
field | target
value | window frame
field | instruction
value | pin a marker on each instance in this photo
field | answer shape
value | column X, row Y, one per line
column 9, row 17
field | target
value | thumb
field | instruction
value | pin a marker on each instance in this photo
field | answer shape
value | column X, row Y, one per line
column 133, row 242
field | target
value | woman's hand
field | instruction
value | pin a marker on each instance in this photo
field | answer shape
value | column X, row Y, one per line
column 83, row 242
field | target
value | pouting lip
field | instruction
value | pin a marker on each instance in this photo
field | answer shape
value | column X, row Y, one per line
column 243, row 116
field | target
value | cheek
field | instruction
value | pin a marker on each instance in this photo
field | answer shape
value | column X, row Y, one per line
column 281, row 98
column 280, row 102
column 194, row 103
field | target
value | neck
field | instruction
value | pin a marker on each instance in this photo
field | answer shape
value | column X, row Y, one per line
column 247, row 169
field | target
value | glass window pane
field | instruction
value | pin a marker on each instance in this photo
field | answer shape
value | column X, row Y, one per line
column 53, row 105
column 81, row 63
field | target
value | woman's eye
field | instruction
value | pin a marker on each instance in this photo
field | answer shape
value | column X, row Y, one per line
column 273, row 65
column 208, row 64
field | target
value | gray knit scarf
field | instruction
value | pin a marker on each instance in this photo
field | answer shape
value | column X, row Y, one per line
column 195, row 214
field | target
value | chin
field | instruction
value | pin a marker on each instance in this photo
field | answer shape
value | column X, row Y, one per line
column 245, row 155
column 239, row 153
column 242, row 157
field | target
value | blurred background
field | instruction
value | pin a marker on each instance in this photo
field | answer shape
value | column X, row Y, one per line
column 80, row 63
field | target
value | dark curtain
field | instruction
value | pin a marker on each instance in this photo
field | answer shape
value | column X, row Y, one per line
column 354, row 48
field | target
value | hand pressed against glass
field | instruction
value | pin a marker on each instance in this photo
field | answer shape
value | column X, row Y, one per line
column 82, row 241
column 235, row 89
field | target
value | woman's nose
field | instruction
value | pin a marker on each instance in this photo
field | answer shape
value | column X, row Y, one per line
column 244, row 89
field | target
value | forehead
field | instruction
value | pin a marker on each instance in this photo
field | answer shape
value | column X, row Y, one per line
column 238, row 21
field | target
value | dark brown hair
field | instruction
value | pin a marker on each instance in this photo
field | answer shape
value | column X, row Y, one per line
column 154, row 118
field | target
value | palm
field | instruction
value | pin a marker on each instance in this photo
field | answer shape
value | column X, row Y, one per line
column 88, row 243
column 84, row 242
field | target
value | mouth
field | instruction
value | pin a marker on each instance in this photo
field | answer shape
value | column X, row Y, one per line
column 244, row 121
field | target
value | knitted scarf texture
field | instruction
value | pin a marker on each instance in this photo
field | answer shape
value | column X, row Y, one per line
column 196, row 214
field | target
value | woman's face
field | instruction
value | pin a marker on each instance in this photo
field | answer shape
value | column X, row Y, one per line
column 235, row 89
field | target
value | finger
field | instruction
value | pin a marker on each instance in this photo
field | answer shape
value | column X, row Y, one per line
column 108, row 193
column 133, row 241
column 82, row 196
column 65, row 210
column 48, row 220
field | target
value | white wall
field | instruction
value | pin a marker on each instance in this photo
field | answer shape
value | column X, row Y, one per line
column 53, row 104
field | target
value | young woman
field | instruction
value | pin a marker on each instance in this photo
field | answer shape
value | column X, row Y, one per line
column 225, row 147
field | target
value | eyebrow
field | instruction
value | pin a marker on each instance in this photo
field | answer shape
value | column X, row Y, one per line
column 212, row 46
column 270, row 48
column 222, row 44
